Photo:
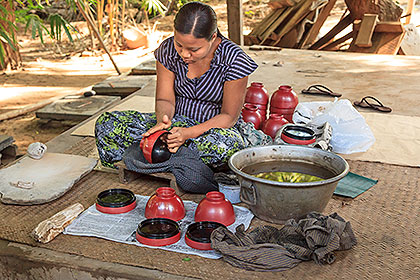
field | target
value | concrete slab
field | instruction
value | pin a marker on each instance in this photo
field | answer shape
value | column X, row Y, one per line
column 146, row 68
column 75, row 107
column 121, row 85
column 42, row 180
column 5, row 141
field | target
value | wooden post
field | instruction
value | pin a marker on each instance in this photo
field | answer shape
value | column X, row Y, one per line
column 235, row 22
column 409, row 12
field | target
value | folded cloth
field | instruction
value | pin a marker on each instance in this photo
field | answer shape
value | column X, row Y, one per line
column 191, row 174
column 267, row 248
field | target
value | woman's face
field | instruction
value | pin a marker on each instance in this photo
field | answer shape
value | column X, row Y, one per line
column 192, row 49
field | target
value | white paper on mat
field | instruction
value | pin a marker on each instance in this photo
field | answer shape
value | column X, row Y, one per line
column 122, row 227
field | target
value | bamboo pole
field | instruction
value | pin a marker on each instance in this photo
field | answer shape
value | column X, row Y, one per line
column 90, row 22
column 123, row 16
column 92, row 39
column 117, row 21
column 100, row 12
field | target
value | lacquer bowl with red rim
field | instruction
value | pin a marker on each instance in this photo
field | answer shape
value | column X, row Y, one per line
column 298, row 135
column 198, row 234
column 158, row 232
column 115, row 201
column 215, row 208
column 154, row 149
column 165, row 203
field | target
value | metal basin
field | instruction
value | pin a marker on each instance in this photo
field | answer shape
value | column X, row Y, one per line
column 277, row 202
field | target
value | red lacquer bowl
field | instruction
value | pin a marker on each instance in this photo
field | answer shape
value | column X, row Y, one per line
column 215, row 208
column 165, row 203
column 153, row 147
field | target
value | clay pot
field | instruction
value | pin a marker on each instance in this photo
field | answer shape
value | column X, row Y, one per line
column 165, row 203
column 284, row 101
column 256, row 94
column 134, row 38
column 215, row 208
column 153, row 147
column 250, row 113
column 273, row 124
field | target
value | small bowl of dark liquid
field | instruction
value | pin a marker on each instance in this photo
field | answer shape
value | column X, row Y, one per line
column 298, row 135
column 198, row 234
column 158, row 232
column 115, row 201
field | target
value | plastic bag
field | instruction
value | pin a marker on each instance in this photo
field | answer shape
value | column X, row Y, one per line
column 350, row 134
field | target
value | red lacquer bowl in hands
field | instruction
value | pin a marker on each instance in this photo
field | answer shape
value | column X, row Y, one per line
column 165, row 203
column 154, row 148
column 215, row 208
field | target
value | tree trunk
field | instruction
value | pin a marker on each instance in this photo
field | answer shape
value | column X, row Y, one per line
column 12, row 58
column 387, row 10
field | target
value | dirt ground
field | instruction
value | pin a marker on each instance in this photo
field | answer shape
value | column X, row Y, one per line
column 51, row 72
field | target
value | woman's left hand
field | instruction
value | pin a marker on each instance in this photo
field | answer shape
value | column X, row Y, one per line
column 176, row 138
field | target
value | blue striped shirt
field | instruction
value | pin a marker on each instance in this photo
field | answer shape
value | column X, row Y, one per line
column 201, row 98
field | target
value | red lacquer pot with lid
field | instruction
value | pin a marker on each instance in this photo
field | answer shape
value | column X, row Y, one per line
column 165, row 203
column 250, row 113
column 273, row 124
column 283, row 102
column 256, row 94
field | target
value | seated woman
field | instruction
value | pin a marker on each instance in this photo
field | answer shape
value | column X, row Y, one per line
column 200, row 90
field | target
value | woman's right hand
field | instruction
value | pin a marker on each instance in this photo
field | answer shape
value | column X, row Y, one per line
column 164, row 124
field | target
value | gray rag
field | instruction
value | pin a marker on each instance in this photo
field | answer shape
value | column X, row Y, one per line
column 191, row 174
column 267, row 248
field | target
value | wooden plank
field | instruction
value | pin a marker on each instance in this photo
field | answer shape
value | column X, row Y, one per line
column 322, row 17
column 282, row 15
column 48, row 229
column 269, row 23
column 385, row 27
column 332, row 45
column 382, row 43
column 302, row 10
column 340, row 26
column 235, row 24
column 364, row 35
column 258, row 28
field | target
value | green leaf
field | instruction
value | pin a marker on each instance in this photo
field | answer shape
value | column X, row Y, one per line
column 5, row 36
column 2, row 55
